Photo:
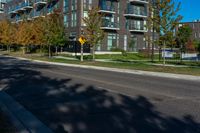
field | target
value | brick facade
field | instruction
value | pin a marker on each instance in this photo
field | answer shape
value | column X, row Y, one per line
column 124, row 20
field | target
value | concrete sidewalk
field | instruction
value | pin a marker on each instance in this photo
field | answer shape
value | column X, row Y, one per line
column 22, row 119
column 137, row 72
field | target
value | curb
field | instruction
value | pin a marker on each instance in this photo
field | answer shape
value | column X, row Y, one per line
column 22, row 119
column 128, row 71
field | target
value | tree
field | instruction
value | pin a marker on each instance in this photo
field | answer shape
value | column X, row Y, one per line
column 93, row 32
column 164, row 20
column 183, row 36
column 39, row 32
column 197, row 46
column 25, row 35
column 54, row 30
column 7, row 33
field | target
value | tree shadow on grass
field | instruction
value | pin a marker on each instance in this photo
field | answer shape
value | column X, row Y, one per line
column 68, row 107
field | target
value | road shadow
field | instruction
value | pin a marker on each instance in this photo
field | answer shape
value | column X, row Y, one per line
column 68, row 107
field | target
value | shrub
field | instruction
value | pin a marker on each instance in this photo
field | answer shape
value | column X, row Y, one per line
column 119, row 50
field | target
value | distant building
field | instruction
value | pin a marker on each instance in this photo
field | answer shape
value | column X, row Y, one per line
column 195, row 26
column 123, row 21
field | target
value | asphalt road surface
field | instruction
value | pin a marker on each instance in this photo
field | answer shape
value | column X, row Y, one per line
column 74, row 100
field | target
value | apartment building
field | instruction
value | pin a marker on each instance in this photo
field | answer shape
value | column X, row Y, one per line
column 123, row 20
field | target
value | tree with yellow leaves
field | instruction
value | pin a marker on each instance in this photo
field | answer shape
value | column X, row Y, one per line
column 7, row 33
column 25, row 34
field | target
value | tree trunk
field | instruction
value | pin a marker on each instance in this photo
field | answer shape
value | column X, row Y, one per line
column 61, row 50
column 159, row 53
column 49, row 51
column 152, row 49
column 8, row 48
column 40, row 50
column 93, row 53
column 181, row 52
column 148, row 48
column 56, row 50
column 23, row 50
column 164, row 61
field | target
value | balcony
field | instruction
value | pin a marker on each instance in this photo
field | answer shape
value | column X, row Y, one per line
column 18, row 18
column 106, row 9
column 1, row 8
column 139, row 1
column 38, row 14
column 135, row 13
column 40, row 2
column 108, row 25
column 12, row 11
column 3, row 1
column 27, row 5
column 22, row 7
column 137, row 28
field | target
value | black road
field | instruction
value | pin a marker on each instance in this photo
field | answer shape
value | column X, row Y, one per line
column 74, row 100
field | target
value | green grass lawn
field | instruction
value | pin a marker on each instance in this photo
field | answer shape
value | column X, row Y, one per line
column 127, row 56
column 192, row 69
column 127, row 65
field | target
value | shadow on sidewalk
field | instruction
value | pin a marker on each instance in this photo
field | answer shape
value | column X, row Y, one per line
column 73, row 108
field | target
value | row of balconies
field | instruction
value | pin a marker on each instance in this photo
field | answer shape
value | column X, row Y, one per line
column 25, row 6
column 132, row 11
column 131, row 26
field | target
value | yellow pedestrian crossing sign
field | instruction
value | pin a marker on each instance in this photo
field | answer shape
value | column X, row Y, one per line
column 82, row 40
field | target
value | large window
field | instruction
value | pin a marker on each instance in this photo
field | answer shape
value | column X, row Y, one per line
column 66, row 21
column 74, row 5
column 112, row 40
column 73, row 19
column 66, row 6
column 74, row 13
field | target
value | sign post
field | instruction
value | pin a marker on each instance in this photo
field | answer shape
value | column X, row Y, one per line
column 82, row 40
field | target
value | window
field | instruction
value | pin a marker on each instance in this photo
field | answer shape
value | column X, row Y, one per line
column 73, row 19
column 74, row 5
column 66, row 6
column 66, row 21
column 112, row 41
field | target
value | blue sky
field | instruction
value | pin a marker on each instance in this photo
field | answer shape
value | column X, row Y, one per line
column 190, row 10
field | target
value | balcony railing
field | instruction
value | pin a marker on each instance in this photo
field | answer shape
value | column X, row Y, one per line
column 21, row 7
column 140, row 1
column 3, row 1
column 40, row 2
column 27, row 5
column 135, row 13
column 108, row 25
column 137, row 28
column 106, row 9
column 1, row 8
